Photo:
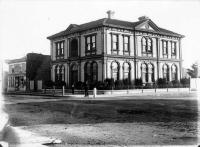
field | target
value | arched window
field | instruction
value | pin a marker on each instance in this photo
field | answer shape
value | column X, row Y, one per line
column 144, row 45
column 174, row 72
column 91, row 72
column 166, row 72
column 74, row 74
column 94, row 71
column 149, row 45
column 57, row 73
column 60, row 73
column 87, row 71
column 126, row 69
column 144, row 69
column 74, row 48
column 115, row 71
column 151, row 72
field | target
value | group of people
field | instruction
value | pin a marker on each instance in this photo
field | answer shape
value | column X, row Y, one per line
column 86, row 88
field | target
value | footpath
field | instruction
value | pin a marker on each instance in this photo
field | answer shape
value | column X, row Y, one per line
column 59, row 94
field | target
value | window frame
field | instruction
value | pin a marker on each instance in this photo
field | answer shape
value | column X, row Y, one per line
column 167, row 72
column 144, row 73
column 115, row 51
column 145, row 47
column 59, row 47
column 165, row 54
column 174, row 74
column 126, row 52
column 151, row 74
column 173, row 49
column 59, row 72
column 90, row 44
column 112, row 69
column 125, row 72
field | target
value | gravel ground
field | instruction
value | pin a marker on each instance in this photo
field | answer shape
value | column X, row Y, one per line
column 122, row 134
column 143, row 120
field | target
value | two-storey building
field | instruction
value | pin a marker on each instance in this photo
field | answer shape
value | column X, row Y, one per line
column 28, row 73
column 17, row 74
column 111, row 48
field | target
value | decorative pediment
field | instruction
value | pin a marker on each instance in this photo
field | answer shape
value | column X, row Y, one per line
column 71, row 26
column 148, row 25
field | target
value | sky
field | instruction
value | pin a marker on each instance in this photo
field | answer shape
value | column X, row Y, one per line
column 26, row 24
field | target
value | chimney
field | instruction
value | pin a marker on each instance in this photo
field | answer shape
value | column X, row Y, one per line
column 110, row 14
column 143, row 18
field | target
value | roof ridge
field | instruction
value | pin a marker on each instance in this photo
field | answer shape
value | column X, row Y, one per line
column 112, row 23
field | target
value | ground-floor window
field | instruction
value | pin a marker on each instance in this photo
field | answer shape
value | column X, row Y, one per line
column 174, row 72
column 115, row 71
column 144, row 70
column 151, row 73
column 59, row 73
column 91, row 72
column 94, row 71
column 147, row 73
column 126, row 71
column 166, row 72
column 74, row 74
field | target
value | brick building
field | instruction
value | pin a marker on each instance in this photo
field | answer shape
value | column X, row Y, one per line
column 111, row 48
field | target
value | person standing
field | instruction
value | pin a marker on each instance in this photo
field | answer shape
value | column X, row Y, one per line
column 86, row 88
column 73, row 88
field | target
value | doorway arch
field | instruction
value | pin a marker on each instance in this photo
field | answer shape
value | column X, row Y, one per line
column 73, row 74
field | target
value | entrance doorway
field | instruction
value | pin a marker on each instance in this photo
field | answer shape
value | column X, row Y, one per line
column 74, row 74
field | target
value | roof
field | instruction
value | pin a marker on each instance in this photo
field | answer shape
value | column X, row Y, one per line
column 74, row 28
column 23, row 59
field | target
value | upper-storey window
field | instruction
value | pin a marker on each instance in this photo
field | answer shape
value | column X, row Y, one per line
column 165, row 48
column 173, row 49
column 147, row 46
column 11, row 69
column 90, row 44
column 73, row 48
column 114, row 43
column 126, row 44
column 59, row 49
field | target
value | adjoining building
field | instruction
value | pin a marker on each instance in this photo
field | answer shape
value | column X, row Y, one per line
column 29, row 72
column 111, row 48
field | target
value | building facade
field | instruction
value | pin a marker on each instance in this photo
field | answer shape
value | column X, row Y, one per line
column 17, row 74
column 29, row 72
column 111, row 48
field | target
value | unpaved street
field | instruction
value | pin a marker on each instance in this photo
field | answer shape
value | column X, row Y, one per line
column 114, row 121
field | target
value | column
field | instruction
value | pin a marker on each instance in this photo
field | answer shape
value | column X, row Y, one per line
column 138, row 71
column 67, row 74
column 160, row 70
column 120, row 71
column 155, row 71
column 132, row 71
column 52, row 73
column 79, row 70
column 103, row 70
column 170, row 71
column 149, row 78
column 120, row 43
